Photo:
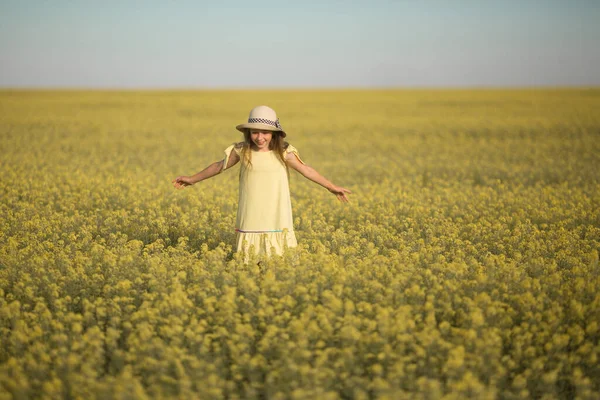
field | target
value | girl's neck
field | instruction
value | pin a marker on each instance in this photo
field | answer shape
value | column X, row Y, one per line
column 257, row 150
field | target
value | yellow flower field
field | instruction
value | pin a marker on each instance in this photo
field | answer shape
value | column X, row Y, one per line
column 465, row 266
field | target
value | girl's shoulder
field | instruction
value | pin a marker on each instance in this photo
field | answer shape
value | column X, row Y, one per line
column 236, row 147
column 288, row 148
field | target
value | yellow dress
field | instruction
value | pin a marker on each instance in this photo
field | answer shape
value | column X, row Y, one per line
column 264, row 215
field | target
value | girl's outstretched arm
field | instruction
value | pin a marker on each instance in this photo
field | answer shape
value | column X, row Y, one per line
column 213, row 169
column 313, row 175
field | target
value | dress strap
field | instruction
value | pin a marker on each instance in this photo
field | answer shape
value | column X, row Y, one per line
column 234, row 147
column 292, row 149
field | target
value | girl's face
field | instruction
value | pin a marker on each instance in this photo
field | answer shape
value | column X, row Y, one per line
column 261, row 139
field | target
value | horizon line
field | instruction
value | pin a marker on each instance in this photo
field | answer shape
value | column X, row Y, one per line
column 289, row 88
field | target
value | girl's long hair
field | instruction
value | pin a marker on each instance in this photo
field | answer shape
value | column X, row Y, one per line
column 277, row 144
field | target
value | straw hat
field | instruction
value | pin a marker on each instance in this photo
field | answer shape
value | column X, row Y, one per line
column 262, row 117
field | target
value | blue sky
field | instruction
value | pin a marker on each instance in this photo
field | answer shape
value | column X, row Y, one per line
column 267, row 44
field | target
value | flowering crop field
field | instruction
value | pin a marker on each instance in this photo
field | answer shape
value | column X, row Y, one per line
column 465, row 265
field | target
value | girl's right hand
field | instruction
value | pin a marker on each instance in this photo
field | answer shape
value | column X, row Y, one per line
column 340, row 193
column 182, row 181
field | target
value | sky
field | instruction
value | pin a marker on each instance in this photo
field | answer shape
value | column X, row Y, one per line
column 298, row 44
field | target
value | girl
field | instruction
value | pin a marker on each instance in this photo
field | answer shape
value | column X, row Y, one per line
column 264, row 216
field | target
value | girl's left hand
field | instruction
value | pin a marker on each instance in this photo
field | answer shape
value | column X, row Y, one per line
column 182, row 181
column 340, row 193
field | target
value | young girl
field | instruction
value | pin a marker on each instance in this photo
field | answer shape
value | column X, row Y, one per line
column 264, row 216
